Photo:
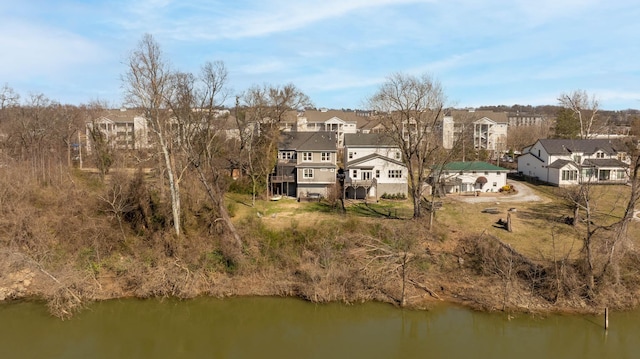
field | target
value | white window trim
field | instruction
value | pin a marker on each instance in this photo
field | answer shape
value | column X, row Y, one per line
column 307, row 173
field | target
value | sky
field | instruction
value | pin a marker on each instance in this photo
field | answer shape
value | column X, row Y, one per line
column 338, row 52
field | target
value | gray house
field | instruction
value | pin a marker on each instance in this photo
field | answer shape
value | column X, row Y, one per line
column 306, row 165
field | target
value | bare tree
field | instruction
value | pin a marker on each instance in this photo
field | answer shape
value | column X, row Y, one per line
column 410, row 109
column 115, row 202
column 522, row 136
column 195, row 104
column 264, row 108
column 8, row 97
column 620, row 239
column 585, row 108
column 68, row 121
column 147, row 86
column 392, row 253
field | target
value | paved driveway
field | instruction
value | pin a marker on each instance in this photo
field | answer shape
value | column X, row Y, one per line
column 524, row 194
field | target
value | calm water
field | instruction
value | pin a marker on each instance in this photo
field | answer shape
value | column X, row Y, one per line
column 289, row 328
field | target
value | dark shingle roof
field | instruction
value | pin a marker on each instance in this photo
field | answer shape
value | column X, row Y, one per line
column 604, row 162
column 472, row 166
column 308, row 141
column 561, row 163
column 367, row 140
column 588, row 146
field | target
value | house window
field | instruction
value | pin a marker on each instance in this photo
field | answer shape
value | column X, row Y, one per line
column 395, row 173
column 355, row 174
column 498, row 173
column 495, row 184
column 486, row 173
column 622, row 156
column 397, row 155
column 351, row 154
column 286, row 155
column 599, row 154
column 577, row 159
column 307, row 156
column 377, row 173
column 326, row 156
column 307, row 173
column 569, row 175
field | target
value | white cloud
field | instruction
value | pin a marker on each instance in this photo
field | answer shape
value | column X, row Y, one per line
column 39, row 51
column 250, row 19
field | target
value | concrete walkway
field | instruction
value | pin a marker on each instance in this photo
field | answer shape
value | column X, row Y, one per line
column 524, row 194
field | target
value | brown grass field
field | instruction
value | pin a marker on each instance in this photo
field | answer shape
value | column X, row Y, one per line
column 538, row 227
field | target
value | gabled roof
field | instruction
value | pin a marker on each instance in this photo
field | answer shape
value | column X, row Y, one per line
column 367, row 158
column 367, row 140
column 561, row 163
column 472, row 166
column 308, row 141
column 604, row 162
column 469, row 116
column 485, row 120
column 555, row 146
column 119, row 115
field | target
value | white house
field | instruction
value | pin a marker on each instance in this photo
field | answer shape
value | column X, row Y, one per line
column 564, row 162
column 476, row 176
column 372, row 167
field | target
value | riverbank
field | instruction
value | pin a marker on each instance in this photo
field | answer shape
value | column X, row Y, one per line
column 350, row 270
column 64, row 244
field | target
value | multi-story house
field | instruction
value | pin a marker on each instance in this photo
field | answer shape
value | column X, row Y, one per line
column 123, row 129
column 372, row 167
column 564, row 162
column 306, row 166
column 486, row 130
column 518, row 119
column 340, row 122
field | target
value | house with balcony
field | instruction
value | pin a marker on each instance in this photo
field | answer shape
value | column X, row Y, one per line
column 123, row 129
column 481, row 130
column 564, row 162
column 306, row 166
column 372, row 167
column 340, row 122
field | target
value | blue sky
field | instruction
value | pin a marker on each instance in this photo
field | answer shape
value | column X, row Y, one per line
column 489, row 52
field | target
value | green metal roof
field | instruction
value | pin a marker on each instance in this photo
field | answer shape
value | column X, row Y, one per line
column 472, row 166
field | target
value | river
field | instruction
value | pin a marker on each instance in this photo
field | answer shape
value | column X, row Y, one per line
column 290, row 328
